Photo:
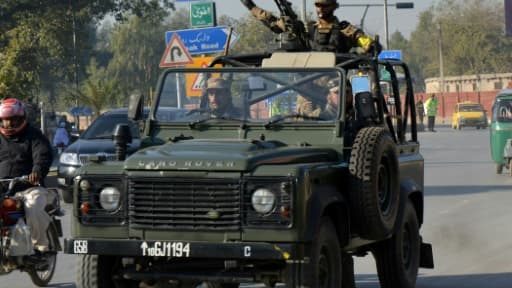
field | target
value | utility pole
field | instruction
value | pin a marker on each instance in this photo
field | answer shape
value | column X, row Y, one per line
column 75, row 60
column 304, row 11
column 441, row 65
column 386, row 33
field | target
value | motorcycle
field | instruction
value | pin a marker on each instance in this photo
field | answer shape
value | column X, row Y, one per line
column 16, row 249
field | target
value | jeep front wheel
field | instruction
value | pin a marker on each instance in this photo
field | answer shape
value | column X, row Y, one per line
column 325, row 255
column 99, row 271
column 398, row 258
column 375, row 192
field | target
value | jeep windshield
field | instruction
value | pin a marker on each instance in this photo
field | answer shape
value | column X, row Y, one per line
column 253, row 96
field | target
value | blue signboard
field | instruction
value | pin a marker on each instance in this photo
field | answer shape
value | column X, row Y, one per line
column 204, row 40
column 391, row 54
column 81, row 111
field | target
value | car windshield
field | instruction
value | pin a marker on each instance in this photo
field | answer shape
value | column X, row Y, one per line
column 103, row 127
column 253, row 95
column 470, row 108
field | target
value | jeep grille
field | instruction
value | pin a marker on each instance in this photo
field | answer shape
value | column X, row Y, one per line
column 185, row 204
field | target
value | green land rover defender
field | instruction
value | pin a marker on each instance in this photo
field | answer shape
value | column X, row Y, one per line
column 316, row 161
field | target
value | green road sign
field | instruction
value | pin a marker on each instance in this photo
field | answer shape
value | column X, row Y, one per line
column 202, row 14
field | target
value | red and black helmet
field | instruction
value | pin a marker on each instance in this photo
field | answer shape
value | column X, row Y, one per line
column 11, row 108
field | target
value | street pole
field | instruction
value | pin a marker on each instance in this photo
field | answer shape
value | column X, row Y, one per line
column 441, row 64
column 386, row 33
column 304, row 11
column 75, row 60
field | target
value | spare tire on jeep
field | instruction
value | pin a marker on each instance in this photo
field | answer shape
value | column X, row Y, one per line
column 375, row 193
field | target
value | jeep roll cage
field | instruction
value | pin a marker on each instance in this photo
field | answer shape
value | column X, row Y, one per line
column 353, row 61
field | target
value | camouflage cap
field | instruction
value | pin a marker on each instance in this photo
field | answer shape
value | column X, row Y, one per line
column 326, row 2
column 217, row 83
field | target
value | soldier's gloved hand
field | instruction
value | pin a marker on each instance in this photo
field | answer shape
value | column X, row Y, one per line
column 248, row 3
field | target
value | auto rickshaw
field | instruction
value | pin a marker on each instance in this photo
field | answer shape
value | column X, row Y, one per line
column 501, row 130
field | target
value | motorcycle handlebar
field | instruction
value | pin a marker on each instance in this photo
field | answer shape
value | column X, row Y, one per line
column 13, row 181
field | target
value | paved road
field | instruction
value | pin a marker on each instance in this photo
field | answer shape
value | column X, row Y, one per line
column 467, row 219
column 467, row 214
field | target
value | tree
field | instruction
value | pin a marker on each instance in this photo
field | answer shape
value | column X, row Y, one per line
column 472, row 40
column 98, row 90
column 36, row 39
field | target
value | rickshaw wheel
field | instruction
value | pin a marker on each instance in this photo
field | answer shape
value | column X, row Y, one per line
column 499, row 168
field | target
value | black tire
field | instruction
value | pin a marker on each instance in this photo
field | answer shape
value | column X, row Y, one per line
column 398, row 258
column 41, row 278
column 375, row 193
column 348, row 279
column 99, row 271
column 499, row 168
column 325, row 258
column 67, row 195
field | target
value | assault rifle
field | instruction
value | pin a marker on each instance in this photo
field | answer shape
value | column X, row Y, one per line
column 296, row 37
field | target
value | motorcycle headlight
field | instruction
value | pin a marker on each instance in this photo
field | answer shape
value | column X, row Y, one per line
column 110, row 198
column 263, row 200
column 69, row 159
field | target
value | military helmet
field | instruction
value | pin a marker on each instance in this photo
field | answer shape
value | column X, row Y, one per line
column 326, row 2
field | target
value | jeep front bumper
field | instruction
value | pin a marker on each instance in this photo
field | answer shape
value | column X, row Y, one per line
column 246, row 262
column 179, row 249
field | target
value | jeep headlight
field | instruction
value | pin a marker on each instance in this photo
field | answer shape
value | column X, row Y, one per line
column 263, row 200
column 110, row 198
column 69, row 159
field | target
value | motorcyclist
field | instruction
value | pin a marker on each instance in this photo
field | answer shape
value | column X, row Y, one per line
column 24, row 150
column 328, row 33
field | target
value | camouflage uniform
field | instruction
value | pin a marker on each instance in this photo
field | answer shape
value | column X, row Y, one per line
column 304, row 106
column 336, row 36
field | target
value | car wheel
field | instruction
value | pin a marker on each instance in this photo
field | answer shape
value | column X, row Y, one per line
column 100, row 271
column 325, row 257
column 398, row 258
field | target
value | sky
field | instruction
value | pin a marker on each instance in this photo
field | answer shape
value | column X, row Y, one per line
column 403, row 20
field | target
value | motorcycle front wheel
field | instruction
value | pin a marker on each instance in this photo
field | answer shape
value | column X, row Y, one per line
column 42, row 274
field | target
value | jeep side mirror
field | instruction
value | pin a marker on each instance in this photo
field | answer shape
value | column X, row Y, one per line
column 122, row 137
column 135, row 108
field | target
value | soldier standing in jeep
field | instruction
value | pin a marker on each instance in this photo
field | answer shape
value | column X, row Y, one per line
column 326, row 34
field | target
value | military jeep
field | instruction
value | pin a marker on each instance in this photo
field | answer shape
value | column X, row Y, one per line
column 271, row 195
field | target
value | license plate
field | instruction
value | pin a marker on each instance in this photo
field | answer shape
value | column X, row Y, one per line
column 165, row 249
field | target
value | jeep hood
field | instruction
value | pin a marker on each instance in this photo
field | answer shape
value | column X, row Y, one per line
column 204, row 155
